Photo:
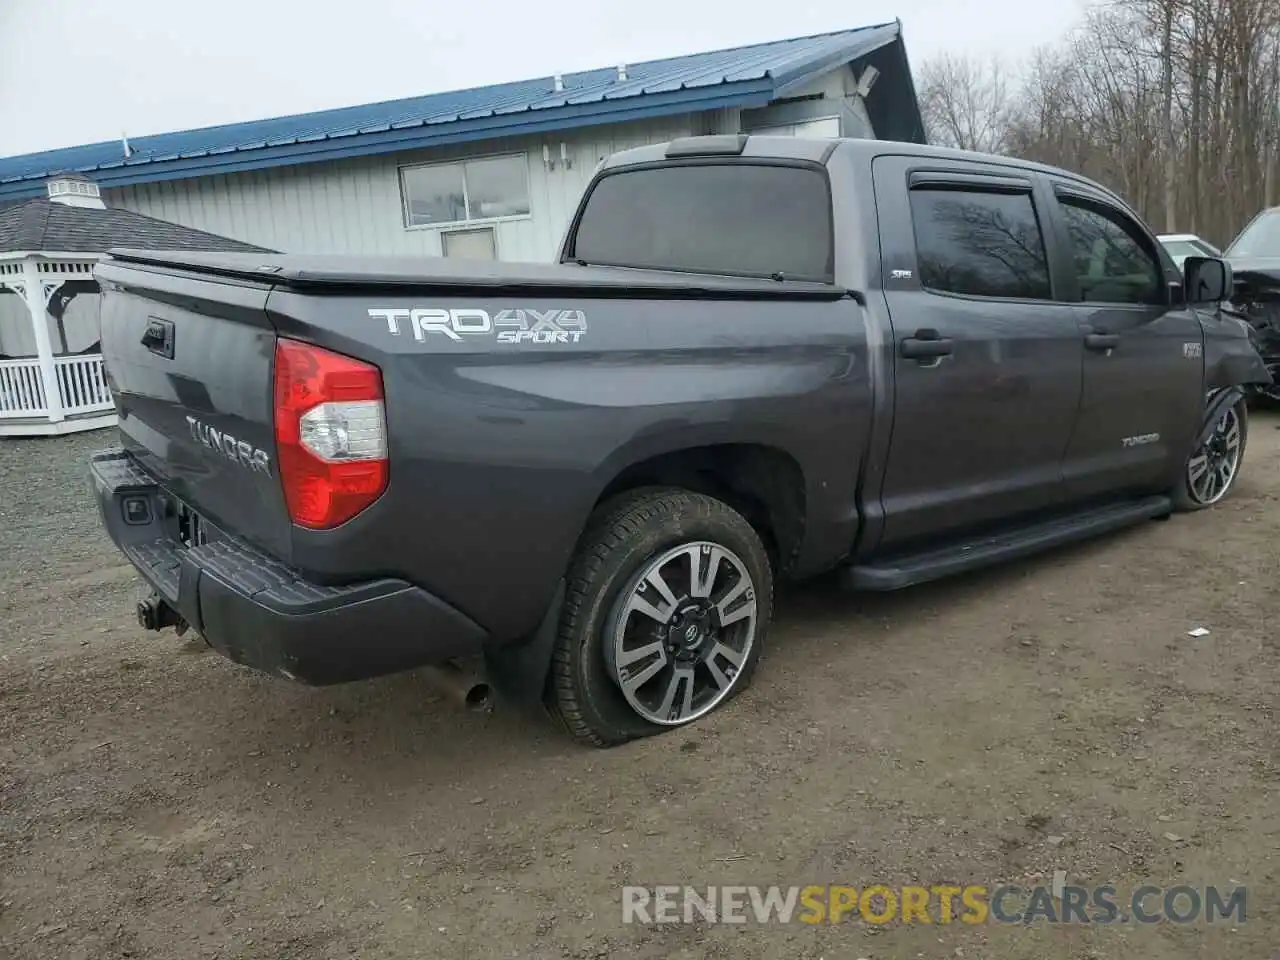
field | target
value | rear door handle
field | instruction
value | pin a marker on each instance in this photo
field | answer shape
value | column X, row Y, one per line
column 1102, row 341
column 927, row 344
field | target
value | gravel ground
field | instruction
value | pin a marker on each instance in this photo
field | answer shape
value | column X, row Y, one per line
column 157, row 801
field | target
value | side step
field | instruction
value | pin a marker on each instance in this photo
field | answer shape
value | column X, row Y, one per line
column 934, row 563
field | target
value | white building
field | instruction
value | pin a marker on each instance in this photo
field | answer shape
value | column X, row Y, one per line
column 493, row 172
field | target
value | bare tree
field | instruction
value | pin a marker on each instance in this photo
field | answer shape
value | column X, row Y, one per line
column 1175, row 104
column 966, row 103
column 1271, row 178
column 1166, row 117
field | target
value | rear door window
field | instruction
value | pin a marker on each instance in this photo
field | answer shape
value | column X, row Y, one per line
column 736, row 219
column 979, row 243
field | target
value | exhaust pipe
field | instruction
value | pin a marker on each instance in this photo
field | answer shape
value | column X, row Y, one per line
column 467, row 688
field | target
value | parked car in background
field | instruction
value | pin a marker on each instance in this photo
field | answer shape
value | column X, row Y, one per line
column 1183, row 245
column 1254, row 256
column 1260, row 238
column 759, row 358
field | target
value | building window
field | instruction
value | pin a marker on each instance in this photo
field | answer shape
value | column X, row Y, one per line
column 465, row 191
column 469, row 244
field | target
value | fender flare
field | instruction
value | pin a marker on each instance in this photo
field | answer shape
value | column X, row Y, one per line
column 1214, row 410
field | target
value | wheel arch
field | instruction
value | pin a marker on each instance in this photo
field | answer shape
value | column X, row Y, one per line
column 1216, row 404
column 763, row 482
column 1232, row 358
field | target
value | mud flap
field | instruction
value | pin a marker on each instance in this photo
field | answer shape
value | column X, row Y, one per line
column 518, row 671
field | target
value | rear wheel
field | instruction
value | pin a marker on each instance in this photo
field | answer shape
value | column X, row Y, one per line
column 668, row 600
column 1212, row 469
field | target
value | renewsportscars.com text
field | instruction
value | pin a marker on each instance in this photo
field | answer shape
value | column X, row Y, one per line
column 940, row 904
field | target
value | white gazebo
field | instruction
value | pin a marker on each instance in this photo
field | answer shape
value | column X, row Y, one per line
column 51, row 376
column 48, row 394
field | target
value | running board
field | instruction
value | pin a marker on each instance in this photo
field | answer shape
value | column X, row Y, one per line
column 906, row 570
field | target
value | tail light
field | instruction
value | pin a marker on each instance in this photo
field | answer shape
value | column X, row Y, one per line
column 331, row 433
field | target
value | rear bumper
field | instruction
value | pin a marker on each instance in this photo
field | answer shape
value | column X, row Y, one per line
column 264, row 614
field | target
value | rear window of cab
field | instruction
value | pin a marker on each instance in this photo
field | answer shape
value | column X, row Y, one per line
column 733, row 219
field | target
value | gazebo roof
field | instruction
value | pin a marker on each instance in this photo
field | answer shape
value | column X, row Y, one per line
column 42, row 225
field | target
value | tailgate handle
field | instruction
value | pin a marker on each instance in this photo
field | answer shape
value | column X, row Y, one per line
column 158, row 337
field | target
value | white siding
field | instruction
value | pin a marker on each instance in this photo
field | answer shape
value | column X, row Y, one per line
column 82, row 324
column 826, row 127
column 354, row 206
column 831, row 86
column 726, row 120
column 17, row 339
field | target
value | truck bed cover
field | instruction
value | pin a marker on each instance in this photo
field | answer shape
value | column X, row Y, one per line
column 469, row 276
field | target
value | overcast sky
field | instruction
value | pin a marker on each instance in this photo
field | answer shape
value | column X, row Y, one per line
column 77, row 71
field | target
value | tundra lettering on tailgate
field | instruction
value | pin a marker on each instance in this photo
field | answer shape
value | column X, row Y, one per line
column 237, row 451
column 509, row 326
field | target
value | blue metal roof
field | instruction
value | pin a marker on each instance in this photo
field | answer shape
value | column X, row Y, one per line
column 742, row 76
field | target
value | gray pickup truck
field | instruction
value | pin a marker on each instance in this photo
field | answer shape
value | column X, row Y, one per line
column 757, row 359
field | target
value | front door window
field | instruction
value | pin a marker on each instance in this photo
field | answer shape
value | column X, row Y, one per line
column 1112, row 262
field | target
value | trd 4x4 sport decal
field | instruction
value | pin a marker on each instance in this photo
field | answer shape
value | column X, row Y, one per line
column 508, row 326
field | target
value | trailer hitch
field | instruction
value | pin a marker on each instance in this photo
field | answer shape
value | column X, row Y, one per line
column 154, row 613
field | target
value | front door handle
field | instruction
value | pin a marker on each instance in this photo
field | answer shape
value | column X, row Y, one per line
column 1102, row 341
column 927, row 344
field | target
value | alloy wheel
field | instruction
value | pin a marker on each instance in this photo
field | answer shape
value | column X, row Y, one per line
column 681, row 632
column 1212, row 469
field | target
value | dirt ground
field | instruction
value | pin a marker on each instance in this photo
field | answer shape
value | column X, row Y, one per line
column 158, row 801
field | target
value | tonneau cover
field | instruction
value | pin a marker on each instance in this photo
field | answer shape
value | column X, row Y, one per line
column 444, row 274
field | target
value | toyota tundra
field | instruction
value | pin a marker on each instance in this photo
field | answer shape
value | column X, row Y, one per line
column 757, row 359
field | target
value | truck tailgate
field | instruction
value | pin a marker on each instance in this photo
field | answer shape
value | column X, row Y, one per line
column 189, row 361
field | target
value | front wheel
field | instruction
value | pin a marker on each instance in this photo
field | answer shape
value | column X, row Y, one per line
column 1212, row 469
column 668, row 600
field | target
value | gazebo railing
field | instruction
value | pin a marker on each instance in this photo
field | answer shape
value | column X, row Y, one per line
column 21, row 389
column 81, row 386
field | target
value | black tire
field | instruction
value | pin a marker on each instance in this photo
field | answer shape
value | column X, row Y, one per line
column 1185, row 499
column 621, row 539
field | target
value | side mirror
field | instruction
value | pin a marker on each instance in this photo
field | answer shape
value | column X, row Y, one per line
column 1206, row 280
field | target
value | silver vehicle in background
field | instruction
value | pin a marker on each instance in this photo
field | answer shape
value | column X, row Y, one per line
column 1183, row 245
